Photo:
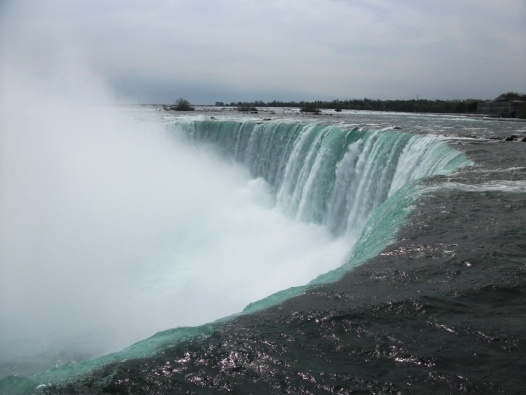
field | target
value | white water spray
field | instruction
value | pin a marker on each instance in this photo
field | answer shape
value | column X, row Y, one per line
column 110, row 230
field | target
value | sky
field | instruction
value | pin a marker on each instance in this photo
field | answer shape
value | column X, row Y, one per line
column 247, row 50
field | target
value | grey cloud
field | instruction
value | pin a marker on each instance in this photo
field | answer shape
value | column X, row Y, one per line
column 312, row 49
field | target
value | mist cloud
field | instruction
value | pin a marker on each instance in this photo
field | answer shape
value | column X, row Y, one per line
column 112, row 229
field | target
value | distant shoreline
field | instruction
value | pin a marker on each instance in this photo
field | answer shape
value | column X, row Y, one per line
column 324, row 112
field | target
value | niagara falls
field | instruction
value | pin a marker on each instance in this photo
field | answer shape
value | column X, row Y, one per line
column 195, row 201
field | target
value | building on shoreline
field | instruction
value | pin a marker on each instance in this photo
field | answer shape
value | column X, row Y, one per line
column 502, row 108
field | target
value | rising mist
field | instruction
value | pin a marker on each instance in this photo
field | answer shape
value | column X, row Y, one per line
column 112, row 229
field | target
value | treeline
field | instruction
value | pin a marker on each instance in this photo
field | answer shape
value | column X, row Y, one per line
column 467, row 106
column 431, row 106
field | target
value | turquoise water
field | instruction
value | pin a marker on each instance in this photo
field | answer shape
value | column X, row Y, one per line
column 360, row 184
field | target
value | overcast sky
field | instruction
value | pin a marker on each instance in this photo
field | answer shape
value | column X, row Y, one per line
column 237, row 50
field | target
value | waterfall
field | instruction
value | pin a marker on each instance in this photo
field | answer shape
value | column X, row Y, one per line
column 324, row 174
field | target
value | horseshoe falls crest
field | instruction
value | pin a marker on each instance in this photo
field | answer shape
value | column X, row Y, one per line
column 323, row 174
column 337, row 178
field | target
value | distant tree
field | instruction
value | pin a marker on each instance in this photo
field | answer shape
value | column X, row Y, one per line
column 183, row 105
column 246, row 107
column 310, row 107
column 337, row 105
column 509, row 96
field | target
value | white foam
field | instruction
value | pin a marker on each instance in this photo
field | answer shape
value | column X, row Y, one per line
column 490, row 186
